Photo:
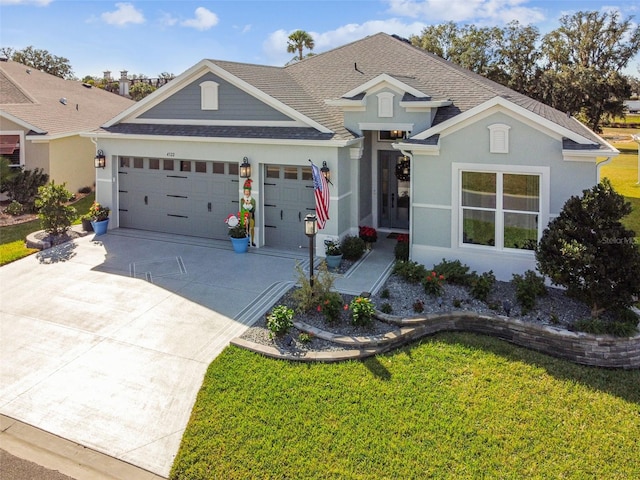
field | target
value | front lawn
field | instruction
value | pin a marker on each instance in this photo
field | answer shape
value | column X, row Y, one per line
column 12, row 237
column 455, row 405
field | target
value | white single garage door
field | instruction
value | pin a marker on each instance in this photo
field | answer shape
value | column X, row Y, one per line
column 288, row 198
column 185, row 197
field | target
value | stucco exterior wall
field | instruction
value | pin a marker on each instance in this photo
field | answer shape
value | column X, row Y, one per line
column 435, row 205
column 71, row 162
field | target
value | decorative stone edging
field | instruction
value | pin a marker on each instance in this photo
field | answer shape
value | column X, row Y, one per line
column 582, row 348
column 41, row 241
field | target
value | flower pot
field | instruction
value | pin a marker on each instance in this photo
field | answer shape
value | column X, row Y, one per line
column 240, row 245
column 86, row 225
column 100, row 227
column 333, row 261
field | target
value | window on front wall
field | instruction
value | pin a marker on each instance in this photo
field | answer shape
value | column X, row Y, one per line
column 500, row 210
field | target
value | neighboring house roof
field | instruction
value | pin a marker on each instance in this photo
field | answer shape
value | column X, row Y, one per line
column 33, row 97
column 316, row 86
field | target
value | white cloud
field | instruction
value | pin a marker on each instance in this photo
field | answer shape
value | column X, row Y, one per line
column 167, row 20
column 204, row 19
column 124, row 14
column 275, row 46
column 471, row 11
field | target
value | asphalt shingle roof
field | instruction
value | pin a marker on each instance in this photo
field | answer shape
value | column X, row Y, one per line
column 307, row 84
column 34, row 97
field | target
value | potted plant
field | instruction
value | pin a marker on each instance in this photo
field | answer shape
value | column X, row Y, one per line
column 237, row 234
column 333, row 254
column 86, row 222
column 99, row 216
column 369, row 235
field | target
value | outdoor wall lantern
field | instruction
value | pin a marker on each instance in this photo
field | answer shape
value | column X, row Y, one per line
column 326, row 173
column 100, row 160
column 245, row 168
column 310, row 230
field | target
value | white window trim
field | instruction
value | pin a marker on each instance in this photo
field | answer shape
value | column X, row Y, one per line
column 499, row 131
column 385, row 104
column 456, row 201
column 209, row 95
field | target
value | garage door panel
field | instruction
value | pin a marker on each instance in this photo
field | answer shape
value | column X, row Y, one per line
column 185, row 203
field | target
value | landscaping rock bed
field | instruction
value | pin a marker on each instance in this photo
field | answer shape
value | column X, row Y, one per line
column 554, row 309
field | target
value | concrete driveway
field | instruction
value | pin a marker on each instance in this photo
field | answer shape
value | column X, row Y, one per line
column 105, row 341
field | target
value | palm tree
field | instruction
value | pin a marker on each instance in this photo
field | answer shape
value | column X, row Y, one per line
column 299, row 40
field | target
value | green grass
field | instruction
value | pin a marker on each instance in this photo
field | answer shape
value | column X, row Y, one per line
column 12, row 237
column 623, row 173
column 455, row 405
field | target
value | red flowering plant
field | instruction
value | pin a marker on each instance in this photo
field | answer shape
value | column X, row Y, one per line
column 331, row 306
column 433, row 284
column 403, row 238
column 368, row 234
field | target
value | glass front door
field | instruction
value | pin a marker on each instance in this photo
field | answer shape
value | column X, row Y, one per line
column 394, row 172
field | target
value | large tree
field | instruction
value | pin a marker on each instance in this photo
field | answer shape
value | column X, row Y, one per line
column 584, row 59
column 298, row 41
column 42, row 60
column 471, row 47
column 519, row 55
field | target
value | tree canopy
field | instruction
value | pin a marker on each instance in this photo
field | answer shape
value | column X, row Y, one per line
column 576, row 68
column 41, row 60
column 298, row 41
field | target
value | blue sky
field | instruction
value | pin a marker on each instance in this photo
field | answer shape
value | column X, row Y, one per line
column 150, row 37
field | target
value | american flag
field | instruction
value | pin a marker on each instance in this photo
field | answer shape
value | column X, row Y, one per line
column 321, row 191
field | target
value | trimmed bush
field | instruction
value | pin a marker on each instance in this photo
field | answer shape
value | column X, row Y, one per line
column 528, row 288
column 411, row 271
column 481, row 285
column 280, row 320
column 455, row 272
column 352, row 247
column 55, row 216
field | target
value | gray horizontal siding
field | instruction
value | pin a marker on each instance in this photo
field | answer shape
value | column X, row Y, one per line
column 233, row 104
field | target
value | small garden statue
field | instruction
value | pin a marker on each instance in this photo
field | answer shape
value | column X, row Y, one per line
column 248, row 211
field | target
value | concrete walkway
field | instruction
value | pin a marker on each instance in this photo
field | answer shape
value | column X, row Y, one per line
column 104, row 341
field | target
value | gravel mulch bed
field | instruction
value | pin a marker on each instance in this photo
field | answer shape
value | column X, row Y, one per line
column 554, row 309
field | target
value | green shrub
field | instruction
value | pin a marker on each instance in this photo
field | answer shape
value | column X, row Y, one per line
column 481, row 285
column 307, row 297
column 331, row 306
column 352, row 247
column 600, row 326
column 401, row 251
column 589, row 251
column 23, row 186
column 433, row 284
column 56, row 217
column 528, row 288
column 454, row 271
column 280, row 320
column 410, row 271
column 362, row 311
column 14, row 208
column 305, row 338
column 386, row 308
column 385, row 293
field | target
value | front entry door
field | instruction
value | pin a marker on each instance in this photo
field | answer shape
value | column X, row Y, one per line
column 393, row 190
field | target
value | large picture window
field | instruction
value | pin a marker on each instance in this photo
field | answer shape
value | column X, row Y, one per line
column 500, row 210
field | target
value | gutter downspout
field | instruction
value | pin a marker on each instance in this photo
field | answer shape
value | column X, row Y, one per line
column 605, row 162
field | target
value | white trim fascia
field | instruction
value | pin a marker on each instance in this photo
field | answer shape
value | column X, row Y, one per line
column 494, row 105
column 586, row 155
column 405, row 127
column 231, row 123
column 201, row 68
column 265, row 141
column 384, row 78
column 48, row 138
column 19, row 121
column 417, row 148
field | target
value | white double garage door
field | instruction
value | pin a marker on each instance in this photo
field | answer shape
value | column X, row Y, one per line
column 189, row 197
